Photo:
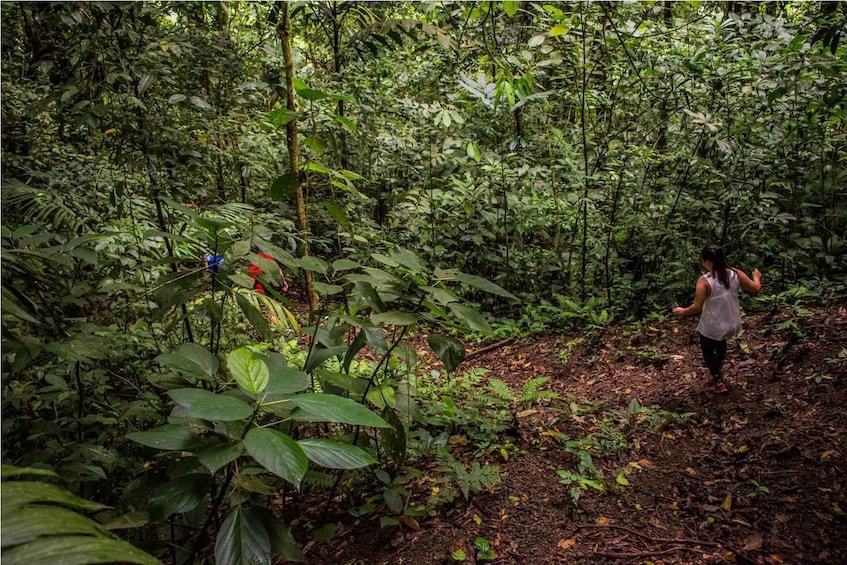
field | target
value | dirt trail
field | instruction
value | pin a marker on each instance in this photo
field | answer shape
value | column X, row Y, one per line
column 753, row 476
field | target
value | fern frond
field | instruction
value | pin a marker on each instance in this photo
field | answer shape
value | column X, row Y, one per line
column 236, row 212
column 530, row 390
column 478, row 478
column 500, row 389
column 319, row 479
column 42, row 206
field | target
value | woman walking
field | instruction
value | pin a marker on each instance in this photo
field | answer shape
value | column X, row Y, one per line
column 716, row 297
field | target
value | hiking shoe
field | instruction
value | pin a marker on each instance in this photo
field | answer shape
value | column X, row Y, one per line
column 720, row 387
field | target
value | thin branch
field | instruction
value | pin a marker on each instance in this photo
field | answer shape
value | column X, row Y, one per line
column 649, row 538
column 488, row 348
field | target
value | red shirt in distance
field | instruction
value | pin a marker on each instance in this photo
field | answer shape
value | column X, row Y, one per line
column 256, row 271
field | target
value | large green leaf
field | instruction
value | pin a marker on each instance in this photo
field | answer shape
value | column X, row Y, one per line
column 76, row 550
column 318, row 355
column 332, row 408
column 257, row 320
column 450, row 350
column 335, row 454
column 401, row 258
column 180, row 495
column 355, row 386
column 349, row 124
column 385, row 278
column 30, row 522
column 7, row 471
column 311, row 94
column 191, row 360
column 170, row 437
column 381, row 396
column 175, row 289
column 283, row 543
column 440, row 295
column 282, row 379
column 470, row 317
column 375, row 338
column 314, row 264
column 15, row 494
column 344, row 265
column 280, row 117
column 242, row 540
column 393, row 439
column 277, row 453
column 395, row 318
column 135, row 519
column 324, row 289
column 368, row 294
column 285, row 186
column 210, row 406
column 217, row 456
column 250, row 373
column 356, row 345
column 287, row 381
column 11, row 308
column 214, row 226
column 484, row 284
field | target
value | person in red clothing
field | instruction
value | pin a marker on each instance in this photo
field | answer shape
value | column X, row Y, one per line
column 255, row 271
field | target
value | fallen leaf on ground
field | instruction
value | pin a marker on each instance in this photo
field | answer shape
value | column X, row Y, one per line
column 753, row 542
column 410, row 522
column 566, row 543
column 727, row 502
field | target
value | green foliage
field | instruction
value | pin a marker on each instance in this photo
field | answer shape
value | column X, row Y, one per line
column 603, row 433
column 42, row 523
column 563, row 180
column 581, row 481
column 483, row 549
column 457, row 478
column 460, row 408
column 565, row 354
column 530, row 391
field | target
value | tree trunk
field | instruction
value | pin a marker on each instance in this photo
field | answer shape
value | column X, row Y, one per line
column 294, row 152
column 664, row 116
column 582, row 114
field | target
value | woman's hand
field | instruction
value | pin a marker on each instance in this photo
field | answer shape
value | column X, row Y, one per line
column 679, row 311
column 754, row 285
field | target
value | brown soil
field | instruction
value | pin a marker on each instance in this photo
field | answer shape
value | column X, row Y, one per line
column 753, row 476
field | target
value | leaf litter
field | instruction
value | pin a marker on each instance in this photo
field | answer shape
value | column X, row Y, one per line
column 757, row 476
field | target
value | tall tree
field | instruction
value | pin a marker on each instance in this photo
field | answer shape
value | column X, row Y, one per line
column 291, row 132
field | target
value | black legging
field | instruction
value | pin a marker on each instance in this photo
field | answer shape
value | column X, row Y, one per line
column 714, row 352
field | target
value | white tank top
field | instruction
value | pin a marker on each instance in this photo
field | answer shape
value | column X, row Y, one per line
column 721, row 316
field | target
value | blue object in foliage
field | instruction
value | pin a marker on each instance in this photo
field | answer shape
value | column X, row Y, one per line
column 213, row 261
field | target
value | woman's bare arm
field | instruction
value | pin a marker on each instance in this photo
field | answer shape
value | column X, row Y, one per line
column 701, row 292
column 753, row 285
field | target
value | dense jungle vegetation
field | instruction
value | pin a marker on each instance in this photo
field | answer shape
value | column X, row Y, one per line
column 426, row 175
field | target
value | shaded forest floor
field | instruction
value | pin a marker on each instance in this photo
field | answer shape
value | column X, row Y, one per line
column 756, row 475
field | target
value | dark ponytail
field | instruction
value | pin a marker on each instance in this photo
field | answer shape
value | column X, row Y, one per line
column 714, row 254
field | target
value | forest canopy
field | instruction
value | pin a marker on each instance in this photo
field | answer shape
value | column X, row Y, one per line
column 454, row 170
